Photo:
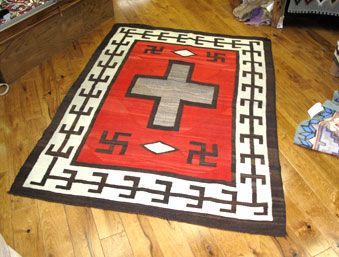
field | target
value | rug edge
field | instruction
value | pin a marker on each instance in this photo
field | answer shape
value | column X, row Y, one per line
column 47, row 133
column 145, row 26
column 232, row 225
column 278, row 196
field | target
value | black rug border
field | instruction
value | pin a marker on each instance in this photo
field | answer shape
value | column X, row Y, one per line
column 275, row 228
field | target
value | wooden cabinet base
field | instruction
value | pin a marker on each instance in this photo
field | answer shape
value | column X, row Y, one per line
column 31, row 41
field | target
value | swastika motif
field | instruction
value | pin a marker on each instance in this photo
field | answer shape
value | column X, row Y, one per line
column 113, row 142
column 209, row 170
column 153, row 50
column 215, row 57
column 202, row 153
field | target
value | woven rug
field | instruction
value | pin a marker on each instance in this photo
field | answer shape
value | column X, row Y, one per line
column 326, row 7
column 170, row 123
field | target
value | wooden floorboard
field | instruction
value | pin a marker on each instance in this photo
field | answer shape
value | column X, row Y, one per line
column 302, row 58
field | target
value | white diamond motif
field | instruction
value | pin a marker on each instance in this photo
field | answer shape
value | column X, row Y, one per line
column 159, row 147
column 184, row 53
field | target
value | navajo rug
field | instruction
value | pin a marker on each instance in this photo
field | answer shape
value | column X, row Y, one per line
column 171, row 123
column 325, row 7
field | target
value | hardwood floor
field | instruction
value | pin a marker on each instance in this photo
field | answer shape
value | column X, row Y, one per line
column 302, row 58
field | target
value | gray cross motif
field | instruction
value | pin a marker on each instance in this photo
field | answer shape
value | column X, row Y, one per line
column 171, row 93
